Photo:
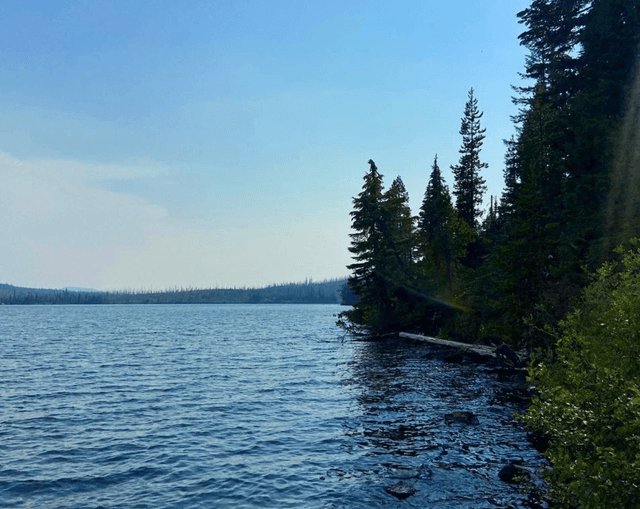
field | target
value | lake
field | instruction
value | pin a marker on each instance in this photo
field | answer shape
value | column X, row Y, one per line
column 216, row 406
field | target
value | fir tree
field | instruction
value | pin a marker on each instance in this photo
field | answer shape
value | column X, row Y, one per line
column 398, row 227
column 469, row 186
column 608, row 62
column 551, row 35
column 581, row 57
column 367, row 248
column 511, row 178
column 382, row 247
column 435, row 231
column 397, row 262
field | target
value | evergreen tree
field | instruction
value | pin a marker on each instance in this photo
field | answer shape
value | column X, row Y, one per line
column 469, row 186
column 609, row 42
column 511, row 178
column 398, row 228
column 397, row 263
column 367, row 247
column 491, row 223
column 435, row 232
column 551, row 36
column 581, row 56
column 382, row 247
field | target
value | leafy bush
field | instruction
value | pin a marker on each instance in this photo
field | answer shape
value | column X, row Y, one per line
column 588, row 401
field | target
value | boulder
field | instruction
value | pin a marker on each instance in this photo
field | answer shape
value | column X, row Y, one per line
column 512, row 473
column 401, row 490
column 460, row 418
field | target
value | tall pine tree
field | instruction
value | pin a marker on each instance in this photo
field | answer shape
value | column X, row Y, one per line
column 469, row 186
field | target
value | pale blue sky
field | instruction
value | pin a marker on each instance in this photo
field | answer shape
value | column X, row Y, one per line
column 163, row 143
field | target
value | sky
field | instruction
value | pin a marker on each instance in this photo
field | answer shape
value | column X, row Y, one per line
column 160, row 144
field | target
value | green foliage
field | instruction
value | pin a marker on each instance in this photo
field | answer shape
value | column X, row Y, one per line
column 588, row 401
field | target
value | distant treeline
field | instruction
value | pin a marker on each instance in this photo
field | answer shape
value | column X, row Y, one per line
column 307, row 292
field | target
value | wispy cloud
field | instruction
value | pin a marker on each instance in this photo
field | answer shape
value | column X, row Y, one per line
column 61, row 228
column 58, row 224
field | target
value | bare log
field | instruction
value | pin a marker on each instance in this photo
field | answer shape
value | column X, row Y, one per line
column 487, row 351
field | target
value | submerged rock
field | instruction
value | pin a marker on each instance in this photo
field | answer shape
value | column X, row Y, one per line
column 402, row 471
column 401, row 490
column 512, row 473
column 460, row 418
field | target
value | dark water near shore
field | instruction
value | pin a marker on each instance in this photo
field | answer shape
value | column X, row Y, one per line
column 239, row 406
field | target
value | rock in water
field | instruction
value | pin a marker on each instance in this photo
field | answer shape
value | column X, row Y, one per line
column 400, row 490
column 460, row 418
column 512, row 473
column 508, row 472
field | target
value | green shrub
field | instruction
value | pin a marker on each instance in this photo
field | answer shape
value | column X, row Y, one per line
column 588, row 401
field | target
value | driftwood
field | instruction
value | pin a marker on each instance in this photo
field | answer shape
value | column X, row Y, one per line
column 487, row 351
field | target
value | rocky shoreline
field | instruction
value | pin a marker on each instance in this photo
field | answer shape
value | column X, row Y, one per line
column 510, row 368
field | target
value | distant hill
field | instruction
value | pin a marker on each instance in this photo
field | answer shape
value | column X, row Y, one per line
column 308, row 292
column 10, row 294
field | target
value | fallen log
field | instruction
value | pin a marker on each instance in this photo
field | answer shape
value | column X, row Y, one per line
column 487, row 351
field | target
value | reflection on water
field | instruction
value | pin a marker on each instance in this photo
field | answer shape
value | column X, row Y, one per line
column 400, row 435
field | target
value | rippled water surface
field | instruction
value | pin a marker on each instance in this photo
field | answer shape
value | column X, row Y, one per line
column 239, row 406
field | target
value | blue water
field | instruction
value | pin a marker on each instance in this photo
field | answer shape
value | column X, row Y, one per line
column 239, row 406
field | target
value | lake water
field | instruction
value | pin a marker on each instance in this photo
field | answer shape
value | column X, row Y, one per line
column 215, row 406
